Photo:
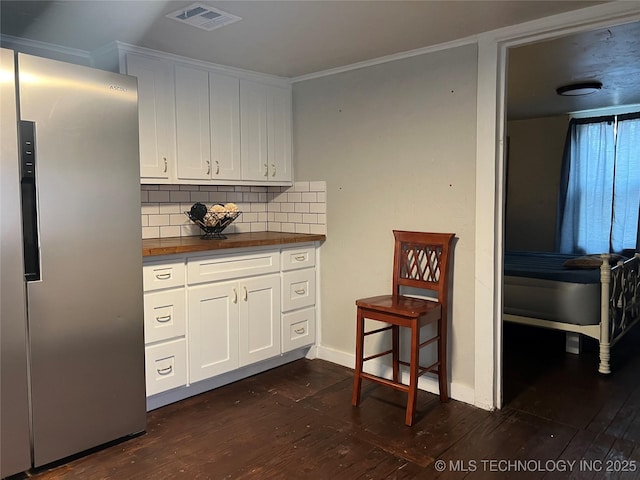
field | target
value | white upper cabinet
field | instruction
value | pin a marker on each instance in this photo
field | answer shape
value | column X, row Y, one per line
column 279, row 133
column 206, row 124
column 224, row 115
column 265, row 118
column 253, row 122
column 156, row 115
column 192, row 123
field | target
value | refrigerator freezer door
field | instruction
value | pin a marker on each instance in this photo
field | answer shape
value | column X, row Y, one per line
column 15, row 455
column 85, row 313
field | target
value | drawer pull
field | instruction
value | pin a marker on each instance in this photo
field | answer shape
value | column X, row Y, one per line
column 235, row 295
column 163, row 319
column 300, row 258
column 163, row 276
column 266, row 170
column 301, row 291
column 245, row 293
column 299, row 331
column 165, row 371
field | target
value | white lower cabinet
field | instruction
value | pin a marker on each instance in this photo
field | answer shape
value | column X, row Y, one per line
column 298, row 329
column 209, row 315
column 259, row 318
column 166, row 366
column 213, row 329
column 232, row 324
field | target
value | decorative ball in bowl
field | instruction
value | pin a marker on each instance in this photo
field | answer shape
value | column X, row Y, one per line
column 213, row 220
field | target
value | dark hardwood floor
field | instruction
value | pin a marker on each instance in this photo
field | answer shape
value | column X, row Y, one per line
column 296, row 422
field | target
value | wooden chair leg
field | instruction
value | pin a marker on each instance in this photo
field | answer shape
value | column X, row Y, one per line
column 357, row 378
column 395, row 345
column 442, row 359
column 414, row 365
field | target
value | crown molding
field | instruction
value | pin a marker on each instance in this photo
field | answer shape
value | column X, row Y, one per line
column 36, row 44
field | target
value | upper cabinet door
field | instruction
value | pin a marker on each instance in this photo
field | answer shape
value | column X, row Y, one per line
column 192, row 123
column 156, row 115
column 224, row 114
column 279, row 133
column 253, row 127
column 265, row 117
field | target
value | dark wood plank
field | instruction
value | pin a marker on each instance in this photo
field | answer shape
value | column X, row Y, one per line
column 297, row 421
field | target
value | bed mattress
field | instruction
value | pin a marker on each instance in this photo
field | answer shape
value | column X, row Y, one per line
column 538, row 286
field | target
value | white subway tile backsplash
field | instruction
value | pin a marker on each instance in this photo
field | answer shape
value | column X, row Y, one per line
column 169, row 231
column 287, row 207
column 169, row 208
column 158, row 196
column 180, row 196
column 301, row 186
column 200, row 197
column 309, row 197
column 150, row 232
column 294, row 217
column 300, row 208
column 150, row 208
column 317, row 208
column 318, row 229
column 309, row 218
column 158, row 220
column 318, row 186
column 294, row 197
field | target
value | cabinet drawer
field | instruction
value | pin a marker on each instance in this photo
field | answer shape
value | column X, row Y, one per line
column 298, row 329
column 163, row 275
column 224, row 267
column 164, row 315
column 301, row 257
column 166, row 366
column 298, row 289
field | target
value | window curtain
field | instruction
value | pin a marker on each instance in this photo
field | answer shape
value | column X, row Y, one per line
column 626, row 198
column 585, row 204
column 599, row 198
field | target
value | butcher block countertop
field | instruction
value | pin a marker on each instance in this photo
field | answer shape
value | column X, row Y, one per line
column 174, row 245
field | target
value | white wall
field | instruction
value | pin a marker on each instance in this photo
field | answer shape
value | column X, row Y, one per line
column 535, row 161
column 396, row 145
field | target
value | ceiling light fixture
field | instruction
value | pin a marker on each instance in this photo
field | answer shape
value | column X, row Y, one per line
column 577, row 89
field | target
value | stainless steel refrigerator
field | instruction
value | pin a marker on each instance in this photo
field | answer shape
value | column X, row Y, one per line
column 71, row 311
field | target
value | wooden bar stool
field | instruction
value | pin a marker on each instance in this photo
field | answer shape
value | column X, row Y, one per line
column 421, row 260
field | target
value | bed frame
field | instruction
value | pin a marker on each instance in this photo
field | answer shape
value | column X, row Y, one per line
column 619, row 308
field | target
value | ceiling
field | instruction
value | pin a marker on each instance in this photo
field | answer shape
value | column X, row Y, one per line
column 610, row 56
column 297, row 38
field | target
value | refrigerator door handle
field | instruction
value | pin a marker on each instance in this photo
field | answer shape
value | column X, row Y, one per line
column 29, row 201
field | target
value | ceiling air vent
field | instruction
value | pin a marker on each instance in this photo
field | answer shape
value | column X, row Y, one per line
column 203, row 16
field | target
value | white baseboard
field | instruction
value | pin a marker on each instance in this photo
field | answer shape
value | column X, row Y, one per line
column 462, row 393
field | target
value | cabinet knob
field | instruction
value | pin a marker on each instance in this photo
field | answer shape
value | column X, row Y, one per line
column 300, row 258
column 163, row 276
column 235, row 296
column 299, row 331
column 300, row 291
column 266, row 170
column 217, row 167
column 165, row 371
column 246, row 294
column 208, row 167
column 165, row 164
column 273, row 169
